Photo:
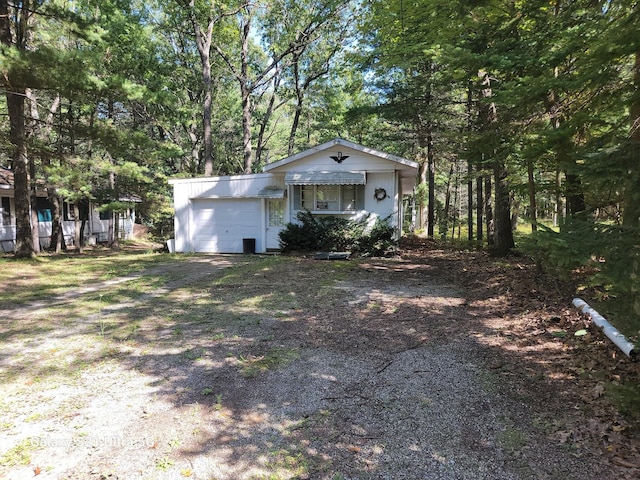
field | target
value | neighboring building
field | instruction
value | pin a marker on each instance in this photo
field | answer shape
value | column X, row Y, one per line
column 242, row 213
column 96, row 227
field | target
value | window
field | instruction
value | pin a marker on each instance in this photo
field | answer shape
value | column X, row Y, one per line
column 5, row 209
column 44, row 209
column 276, row 212
column 69, row 211
column 328, row 197
column 332, row 198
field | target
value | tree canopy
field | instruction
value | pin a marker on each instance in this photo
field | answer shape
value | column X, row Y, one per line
column 520, row 113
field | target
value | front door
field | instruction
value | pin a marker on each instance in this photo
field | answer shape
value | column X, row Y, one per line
column 275, row 222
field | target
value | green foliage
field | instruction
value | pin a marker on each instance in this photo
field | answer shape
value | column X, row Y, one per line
column 315, row 233
column 609, row 254
column 328, row 233
column 377, row 241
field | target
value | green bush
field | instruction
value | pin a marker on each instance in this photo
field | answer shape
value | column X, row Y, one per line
column 335, row 234
column 379, row 241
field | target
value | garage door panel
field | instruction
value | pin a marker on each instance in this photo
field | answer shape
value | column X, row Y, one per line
column 220, row 225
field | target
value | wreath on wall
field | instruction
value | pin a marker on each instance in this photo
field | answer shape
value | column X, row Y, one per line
column 380, row 194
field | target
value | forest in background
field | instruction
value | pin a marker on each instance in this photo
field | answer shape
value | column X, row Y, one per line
column 524, row 115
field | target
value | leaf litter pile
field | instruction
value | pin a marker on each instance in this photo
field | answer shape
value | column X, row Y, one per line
column 433, row 364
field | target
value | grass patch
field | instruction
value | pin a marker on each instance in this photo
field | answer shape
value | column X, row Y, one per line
column 511, row 438
column 626, row 397
column 19, row 454
column 294, row 462
column 29, row 280
column 252, row 366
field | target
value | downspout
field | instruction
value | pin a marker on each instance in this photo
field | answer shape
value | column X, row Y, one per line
column 609, row 330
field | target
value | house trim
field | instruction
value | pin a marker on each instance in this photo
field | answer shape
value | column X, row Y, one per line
column 338, row 142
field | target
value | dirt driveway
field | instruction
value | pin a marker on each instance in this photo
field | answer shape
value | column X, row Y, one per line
column 249, row 367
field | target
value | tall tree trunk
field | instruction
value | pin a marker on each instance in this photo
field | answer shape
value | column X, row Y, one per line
column 479, row 208
column 32, row 132
column 195, row 149
column 33, row 191
column 203, row 42
column 247, row 149
column 301, row 87
column 427, row 173
column 78, row 232
column 245, row 92
column 24, row 237
column 17, row 133
column 298, row 108
column 533, row 208
column 503, row 235
column 294, row 128
column 113, row 241
column 431, row 217
column 423, row 174
column 469, row 129
column 488, row 210
column 42, row 129
column 271, row 107
column 57, row 233
column 488, row 117
column 206, row 120
column 447, row 204
column 456, row 204
column 470, row 201
column 515, row 212
column 559, row 213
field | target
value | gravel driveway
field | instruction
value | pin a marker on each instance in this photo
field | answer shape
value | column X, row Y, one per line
column 272, row 368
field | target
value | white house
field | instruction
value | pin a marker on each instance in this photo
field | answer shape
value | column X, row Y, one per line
column 245, row 213
column 96, row 226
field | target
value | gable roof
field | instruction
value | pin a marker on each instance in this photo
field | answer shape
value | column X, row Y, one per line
column 344, row 143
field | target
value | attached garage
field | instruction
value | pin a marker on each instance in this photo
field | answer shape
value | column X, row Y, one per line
column 221, row 224
column 242, row 213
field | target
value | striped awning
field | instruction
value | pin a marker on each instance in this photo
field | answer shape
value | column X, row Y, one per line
column 272, row 192
column 325, row 178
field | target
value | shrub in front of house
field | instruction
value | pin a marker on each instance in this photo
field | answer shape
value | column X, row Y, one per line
column 377, row 241
column 334, row 234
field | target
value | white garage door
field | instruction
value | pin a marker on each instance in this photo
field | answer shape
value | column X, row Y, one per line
column 220, row 225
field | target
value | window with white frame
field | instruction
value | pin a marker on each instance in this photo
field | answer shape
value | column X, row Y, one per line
column 276, row 212
column 5, row 211
column 331, row 198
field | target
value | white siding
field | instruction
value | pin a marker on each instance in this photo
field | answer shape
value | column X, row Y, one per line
column 322, row 162
column 220, row 225
column 189, row 193
column 215, row 214
column 235, row 186
column 387, row 181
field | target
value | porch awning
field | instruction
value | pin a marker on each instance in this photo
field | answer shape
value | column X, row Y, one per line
column 272, row 192
column 325, row 178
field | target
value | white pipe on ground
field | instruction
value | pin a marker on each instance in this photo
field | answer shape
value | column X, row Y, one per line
column 609, row 330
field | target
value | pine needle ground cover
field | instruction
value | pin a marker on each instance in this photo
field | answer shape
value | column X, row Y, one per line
column 433, row 362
